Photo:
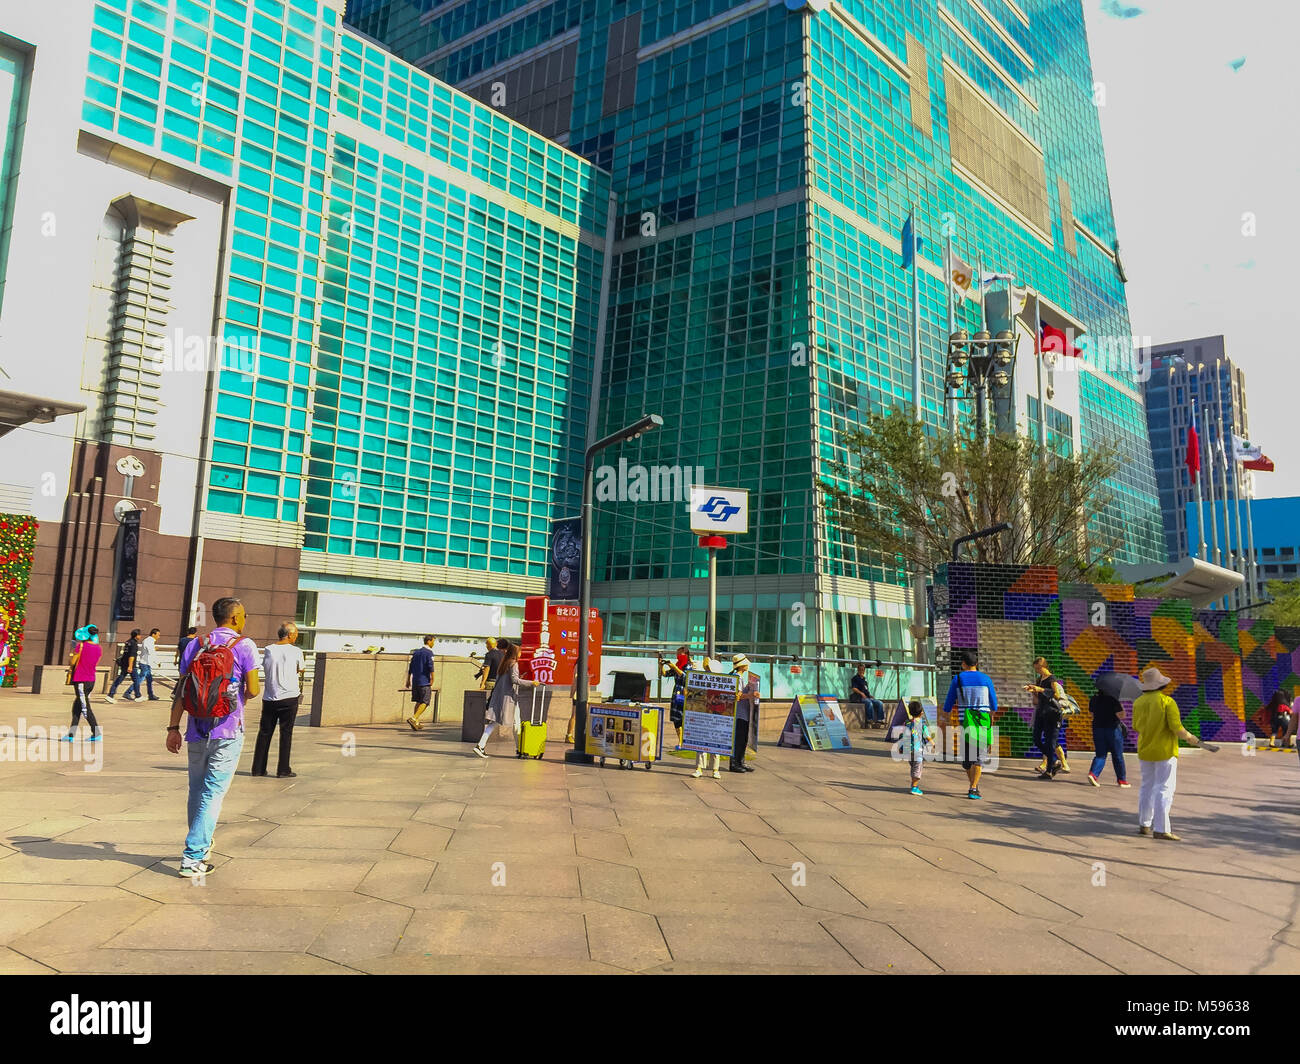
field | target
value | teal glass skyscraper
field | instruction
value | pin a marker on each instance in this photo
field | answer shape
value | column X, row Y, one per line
column 765, row 156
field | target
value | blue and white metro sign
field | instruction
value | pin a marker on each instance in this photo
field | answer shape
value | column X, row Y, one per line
column 719, row 511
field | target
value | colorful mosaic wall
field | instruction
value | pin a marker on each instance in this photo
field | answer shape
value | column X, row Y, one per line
column 1224, row 671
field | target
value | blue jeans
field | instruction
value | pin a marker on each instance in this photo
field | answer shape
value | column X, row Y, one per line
column 212, row 767
column 1109, row 741
column 145, row 673
column 876, row 710
column 134, row 689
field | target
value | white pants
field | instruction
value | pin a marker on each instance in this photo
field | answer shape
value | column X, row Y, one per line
column 1157, row 794
column 702, row 761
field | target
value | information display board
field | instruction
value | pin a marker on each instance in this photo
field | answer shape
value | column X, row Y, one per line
column 816, row 721
column 628, row 732
column 709, row 712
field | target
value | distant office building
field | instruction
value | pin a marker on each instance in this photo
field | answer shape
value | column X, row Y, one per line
column 1180, row 372
column 765, row 156
column 1276, row 529
column 341, row 319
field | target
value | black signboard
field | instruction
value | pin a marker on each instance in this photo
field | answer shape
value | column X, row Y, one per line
column 128, row 555
column 565, row 567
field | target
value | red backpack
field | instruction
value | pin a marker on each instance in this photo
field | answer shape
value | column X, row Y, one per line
column 205, row 687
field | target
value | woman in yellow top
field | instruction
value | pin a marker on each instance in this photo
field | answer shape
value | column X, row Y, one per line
column 1159, row 727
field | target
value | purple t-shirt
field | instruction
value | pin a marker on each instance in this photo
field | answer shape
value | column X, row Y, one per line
column 245, row 654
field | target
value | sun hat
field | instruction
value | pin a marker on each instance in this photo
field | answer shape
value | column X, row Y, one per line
column 739, row 661
column 1153, row 679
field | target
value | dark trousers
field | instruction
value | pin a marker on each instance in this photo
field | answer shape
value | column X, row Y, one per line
column 275, row 711
column 81, row 704
column 1045, row 739
column 742, row 740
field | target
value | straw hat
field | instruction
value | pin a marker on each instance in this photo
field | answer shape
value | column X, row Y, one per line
column 1153, row 679
column 738, row 662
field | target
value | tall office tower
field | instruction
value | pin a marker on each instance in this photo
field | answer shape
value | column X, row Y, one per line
column 333, row 326
column 765, row 156
column 1184, row 371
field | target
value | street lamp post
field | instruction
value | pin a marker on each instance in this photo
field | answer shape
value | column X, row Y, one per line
column 985, row 362
column 650, row 422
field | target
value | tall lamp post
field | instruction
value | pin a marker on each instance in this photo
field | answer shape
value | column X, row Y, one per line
column 983, row 360
column 578, row 755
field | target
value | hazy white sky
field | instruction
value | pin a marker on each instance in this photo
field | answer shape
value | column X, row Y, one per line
column 1193, row 145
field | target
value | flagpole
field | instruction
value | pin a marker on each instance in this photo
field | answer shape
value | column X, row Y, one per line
column 1038, row 363
column 949, row 400
column 1252, row 576
column 1215, row 552
column 1222, row 420
column 1200, row 501
column 916, row 322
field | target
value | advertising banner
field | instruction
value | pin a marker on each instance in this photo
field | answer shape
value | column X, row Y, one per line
column 565, row 564
column 709, row 712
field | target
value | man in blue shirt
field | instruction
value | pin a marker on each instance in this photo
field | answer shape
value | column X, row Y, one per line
column 419, row 681
column 972, row 691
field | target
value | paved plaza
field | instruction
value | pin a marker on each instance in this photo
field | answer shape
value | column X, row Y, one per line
column 395, row 852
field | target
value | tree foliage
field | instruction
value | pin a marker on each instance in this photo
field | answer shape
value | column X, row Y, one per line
column 904, row 495
column 1285, row 608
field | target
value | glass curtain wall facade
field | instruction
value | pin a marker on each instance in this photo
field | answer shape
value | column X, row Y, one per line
column 765, row 157
column 410, row 305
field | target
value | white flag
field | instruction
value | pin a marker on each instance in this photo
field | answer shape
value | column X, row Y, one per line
column 1019, row 300
column 1223, row 456
column 1245, row 451
column 990, row 279
column 963, row 276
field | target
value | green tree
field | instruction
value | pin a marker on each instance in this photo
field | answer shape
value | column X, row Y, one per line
column 1285, row 607
column 905, row 494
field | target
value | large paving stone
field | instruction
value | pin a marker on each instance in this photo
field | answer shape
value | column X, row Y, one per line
column 288, row 928
column 495, row 932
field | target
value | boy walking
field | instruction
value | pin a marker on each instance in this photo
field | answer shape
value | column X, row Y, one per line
column 916, row 741
column 972, row 691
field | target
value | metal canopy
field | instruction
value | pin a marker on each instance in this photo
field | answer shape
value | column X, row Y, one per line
column 1202, row 583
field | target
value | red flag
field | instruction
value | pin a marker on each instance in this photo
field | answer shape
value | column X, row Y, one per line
column 1262, row 464
column 1193, row 451
column 1052, row 339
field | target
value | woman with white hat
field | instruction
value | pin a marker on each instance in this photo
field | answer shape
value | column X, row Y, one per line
column 1159, row 727
column 746, row 710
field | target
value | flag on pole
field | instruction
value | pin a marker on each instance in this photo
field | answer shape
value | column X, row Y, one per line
column 962, row 276
column 1053, row 339
column 1223, row 457
column 989, row 280
column 1262, row 464
column 1019, row 300
column 1245, row 451
column 911, row 242
column 1193, row 452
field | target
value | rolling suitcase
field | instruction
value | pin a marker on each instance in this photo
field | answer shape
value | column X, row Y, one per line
column 531, row 737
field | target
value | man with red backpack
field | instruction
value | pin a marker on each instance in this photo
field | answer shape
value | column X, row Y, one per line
column 218, row 672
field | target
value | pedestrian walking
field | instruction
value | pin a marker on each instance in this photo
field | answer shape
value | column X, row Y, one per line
column 145, row 662
column 1278, row 715
column 82, row 670
column 419, row 681
column 1047, row 716
column 218, row 674
column 1107, row 737
column 502, row 704
column 747, row 704
column 916, row 741
column 859, row 693
column 1159, row 727
column 283, row 666
column 126, row 667
column 972, row 691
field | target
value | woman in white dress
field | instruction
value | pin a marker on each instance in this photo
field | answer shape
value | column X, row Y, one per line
column 502, row 705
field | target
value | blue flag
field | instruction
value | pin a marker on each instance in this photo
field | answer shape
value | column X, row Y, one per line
column 910, row 241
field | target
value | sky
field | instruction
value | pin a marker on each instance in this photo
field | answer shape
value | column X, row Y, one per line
column 1201, row 122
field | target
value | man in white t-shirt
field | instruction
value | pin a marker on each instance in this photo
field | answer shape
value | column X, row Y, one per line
column 145, row 662
column 282, row 668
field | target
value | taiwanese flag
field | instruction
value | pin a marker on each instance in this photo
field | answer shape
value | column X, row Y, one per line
column 1193, row 452
column 1053, row 339
column 1262, row 464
